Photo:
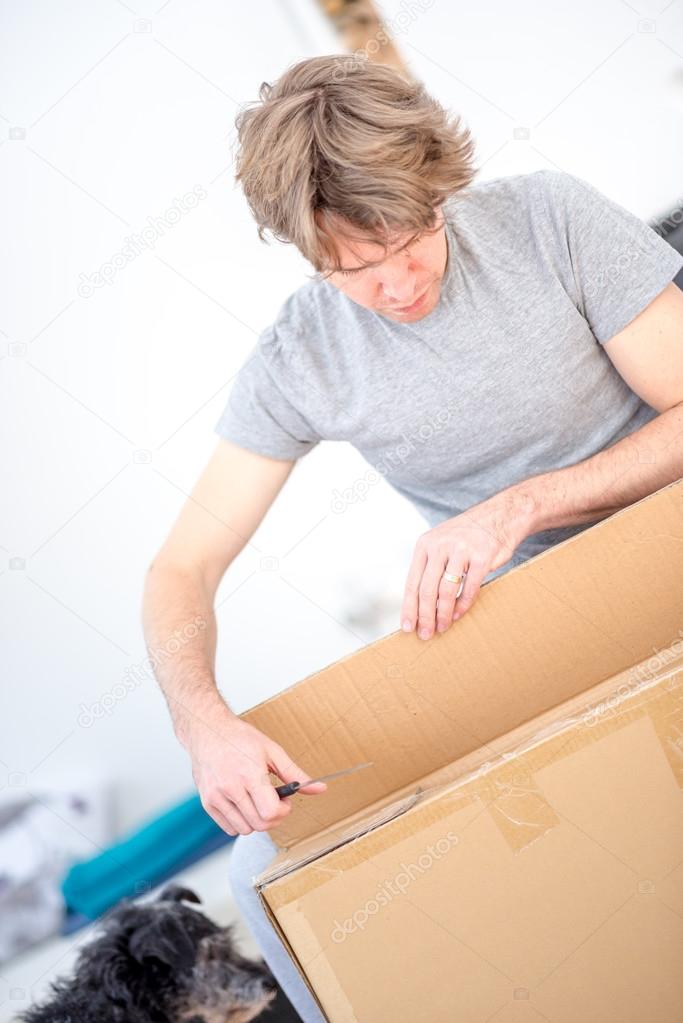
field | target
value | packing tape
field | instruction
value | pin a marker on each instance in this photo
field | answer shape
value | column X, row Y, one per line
column 509, row 784
column 517, row 806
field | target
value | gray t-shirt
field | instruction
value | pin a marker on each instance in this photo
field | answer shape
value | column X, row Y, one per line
column 506, row 378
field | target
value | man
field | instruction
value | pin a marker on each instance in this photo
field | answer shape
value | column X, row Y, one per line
column 509, row 356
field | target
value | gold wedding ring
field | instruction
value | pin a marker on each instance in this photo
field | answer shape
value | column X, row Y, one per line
column 459, row 581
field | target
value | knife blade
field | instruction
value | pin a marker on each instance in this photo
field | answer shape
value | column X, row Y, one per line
column 293, row 786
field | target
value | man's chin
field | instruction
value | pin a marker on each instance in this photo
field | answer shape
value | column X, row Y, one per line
column 426, row 306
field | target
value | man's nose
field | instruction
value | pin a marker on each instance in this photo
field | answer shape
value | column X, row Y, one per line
column 398, row 284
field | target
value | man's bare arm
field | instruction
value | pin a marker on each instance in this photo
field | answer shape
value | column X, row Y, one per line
column 613, row 479
column 648, row 353
column 219, row 518
column 230, row 758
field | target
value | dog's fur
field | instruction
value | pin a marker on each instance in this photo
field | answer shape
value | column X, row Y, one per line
column 161, row 962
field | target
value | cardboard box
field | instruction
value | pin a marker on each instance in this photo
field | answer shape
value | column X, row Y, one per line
column 516, row 852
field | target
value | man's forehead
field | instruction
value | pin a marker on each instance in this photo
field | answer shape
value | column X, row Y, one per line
column 355, row 247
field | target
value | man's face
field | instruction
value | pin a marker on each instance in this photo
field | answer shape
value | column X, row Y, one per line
column 402, row 283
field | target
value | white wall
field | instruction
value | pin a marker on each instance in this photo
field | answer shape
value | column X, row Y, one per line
column 111, row 111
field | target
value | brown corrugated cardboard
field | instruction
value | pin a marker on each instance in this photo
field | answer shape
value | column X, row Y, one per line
column 517, row 853
column 553, row 874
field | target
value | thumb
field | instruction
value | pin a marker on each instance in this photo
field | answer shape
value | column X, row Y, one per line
column 285, row 768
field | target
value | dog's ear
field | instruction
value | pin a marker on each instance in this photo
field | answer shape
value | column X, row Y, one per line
column 176, row 893
column 164, row 940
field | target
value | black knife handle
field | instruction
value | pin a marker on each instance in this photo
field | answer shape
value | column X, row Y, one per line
column 288, row 790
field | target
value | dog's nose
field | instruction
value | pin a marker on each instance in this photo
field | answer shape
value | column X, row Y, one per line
column 261, row 974
column 269, row 982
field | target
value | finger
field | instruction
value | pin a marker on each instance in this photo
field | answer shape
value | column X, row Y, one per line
column 429, row 588
column 448, row 594
column 220, row 819
column 281, row 764
column 270, row 808
column 247, row 806
column 410, row 597
column 228, row 809
column 476, row 573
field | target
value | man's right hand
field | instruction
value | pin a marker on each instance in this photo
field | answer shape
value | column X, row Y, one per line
column 230, row 764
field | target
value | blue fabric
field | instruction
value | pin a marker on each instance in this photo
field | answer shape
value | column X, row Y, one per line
column 148, row 856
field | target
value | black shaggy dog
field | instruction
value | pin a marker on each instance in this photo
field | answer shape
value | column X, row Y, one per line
column 164, row 962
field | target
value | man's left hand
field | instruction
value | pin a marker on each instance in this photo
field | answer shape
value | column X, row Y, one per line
column 477, row 542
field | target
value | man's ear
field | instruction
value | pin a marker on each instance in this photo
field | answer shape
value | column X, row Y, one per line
column 164, row 940
column 438, row 217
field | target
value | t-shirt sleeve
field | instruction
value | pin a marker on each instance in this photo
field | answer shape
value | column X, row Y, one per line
column 615, row 263
column 259, row 417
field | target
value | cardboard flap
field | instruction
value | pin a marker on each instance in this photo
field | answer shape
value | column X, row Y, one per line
column 546, row 631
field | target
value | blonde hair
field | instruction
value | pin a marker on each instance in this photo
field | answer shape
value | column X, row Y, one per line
column 341, row 137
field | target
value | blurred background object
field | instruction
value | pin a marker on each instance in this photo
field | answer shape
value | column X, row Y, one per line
column 361, row 30
column 670, row 226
